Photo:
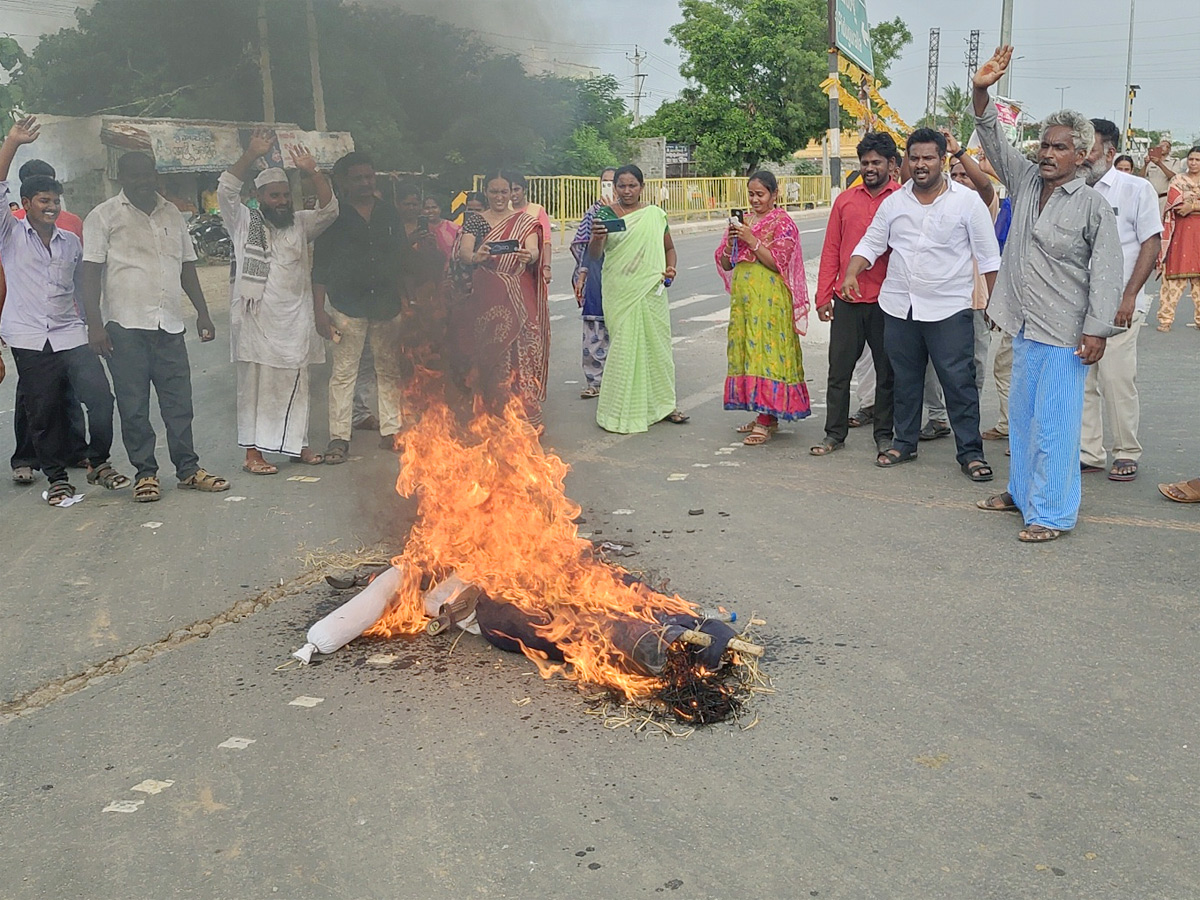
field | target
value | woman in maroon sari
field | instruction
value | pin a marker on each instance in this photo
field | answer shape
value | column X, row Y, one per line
column 502, row 312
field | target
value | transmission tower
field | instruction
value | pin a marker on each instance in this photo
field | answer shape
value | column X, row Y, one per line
column 972, row 56
column 935, row 37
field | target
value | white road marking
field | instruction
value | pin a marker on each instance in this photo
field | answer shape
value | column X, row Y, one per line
column 559, row 298
column 557, row 318
column 721, row 315
column 688, row 301
column 307, row 702
column 236, row 743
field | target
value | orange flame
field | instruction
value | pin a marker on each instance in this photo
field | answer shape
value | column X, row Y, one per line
column 492, row 507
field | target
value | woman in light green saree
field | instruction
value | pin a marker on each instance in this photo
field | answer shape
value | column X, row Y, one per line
column 639, row 375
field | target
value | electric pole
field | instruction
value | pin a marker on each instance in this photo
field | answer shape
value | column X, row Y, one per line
column 264, row 64
column 1002, row 89
column 931, row 88
column 1130, row 87
column 972, row 58
column 638, row 78
column 314, row 62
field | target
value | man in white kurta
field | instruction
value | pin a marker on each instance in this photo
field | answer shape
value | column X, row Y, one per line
column 273, row 332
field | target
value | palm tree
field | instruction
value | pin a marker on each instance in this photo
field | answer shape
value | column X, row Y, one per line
column 953, row 105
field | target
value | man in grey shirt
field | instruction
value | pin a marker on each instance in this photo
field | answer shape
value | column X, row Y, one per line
column 1057, row 294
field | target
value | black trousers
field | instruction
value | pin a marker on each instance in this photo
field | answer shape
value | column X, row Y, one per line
column 855, row 325
column 46, row 377
column 950, row 346
column 141, row 358
column 24, row 455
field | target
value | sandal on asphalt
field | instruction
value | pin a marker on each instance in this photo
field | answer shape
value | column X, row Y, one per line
column 107, row 477
column 977, row 470
column 827, row 446
column 147, row 490
column 589, row 393
column 60, row 491
column 758, row 436
column 1182, row 491
column 749, row 427
column 677, row 417
column 998, row 503
column 993, row 435
column 1163, row 328
column 336, row 452
column 1036, row 534
column 1089, row 469
column 1123, row 470
column 934, row 429
column 201, row 480
column 23, row 475
column 307, row 458
column 893, row 457
column 883, row 445
column 259, row 467
column 862, row 417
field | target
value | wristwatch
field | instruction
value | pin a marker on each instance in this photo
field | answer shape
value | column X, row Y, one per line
column 959, row 154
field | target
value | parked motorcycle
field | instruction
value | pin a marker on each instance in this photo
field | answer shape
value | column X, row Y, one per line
column 210, row 238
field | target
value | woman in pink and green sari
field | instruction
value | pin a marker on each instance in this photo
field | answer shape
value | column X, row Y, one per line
column 762, row 266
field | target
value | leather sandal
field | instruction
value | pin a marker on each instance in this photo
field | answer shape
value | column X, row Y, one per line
column 147, row 490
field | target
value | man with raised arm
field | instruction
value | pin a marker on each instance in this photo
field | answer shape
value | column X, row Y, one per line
column 1057, row 294
column 273, row 331
column 41, row 322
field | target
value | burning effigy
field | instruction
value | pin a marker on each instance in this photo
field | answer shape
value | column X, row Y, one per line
column 495, row 550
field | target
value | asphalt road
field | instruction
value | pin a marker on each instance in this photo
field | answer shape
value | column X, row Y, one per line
column 957, row 715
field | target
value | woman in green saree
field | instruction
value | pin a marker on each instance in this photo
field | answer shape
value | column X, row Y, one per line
column 639, row 262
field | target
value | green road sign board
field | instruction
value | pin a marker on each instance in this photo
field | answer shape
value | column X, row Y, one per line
column 852, row 32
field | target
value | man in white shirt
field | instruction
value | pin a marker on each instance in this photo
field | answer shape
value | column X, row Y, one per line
column 937, row 231
column 139, row 251
column 272, row 323
column 1110, row 392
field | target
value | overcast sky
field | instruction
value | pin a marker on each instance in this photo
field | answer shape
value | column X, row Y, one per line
column 1085, row 60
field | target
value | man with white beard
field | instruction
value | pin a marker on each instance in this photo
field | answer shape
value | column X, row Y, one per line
column 272, row 322
column 1110, row 393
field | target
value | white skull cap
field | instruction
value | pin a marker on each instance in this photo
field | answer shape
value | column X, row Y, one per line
column 270, row 176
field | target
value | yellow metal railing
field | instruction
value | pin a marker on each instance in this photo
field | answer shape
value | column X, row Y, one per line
column 567, row 198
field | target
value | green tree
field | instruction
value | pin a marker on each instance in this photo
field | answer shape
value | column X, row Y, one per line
column 12, row 58
column 758, row 64
column 954, row 106
column 417, row 94
column 888, row 40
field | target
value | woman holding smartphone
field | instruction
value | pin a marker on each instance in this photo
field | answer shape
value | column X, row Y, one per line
column 762, row 266
column 503, row 317
column 639, row 262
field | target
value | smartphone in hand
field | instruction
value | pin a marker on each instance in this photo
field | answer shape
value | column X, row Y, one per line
column 615, row 225
column 498, row 248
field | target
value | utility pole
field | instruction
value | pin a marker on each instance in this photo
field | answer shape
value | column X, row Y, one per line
column 1062, row 94
column 835, row 115
column 314, row 62
column 264, row 64
column 1130, row 87
column 931, row 87
column 1002, row 89
column 638, row 78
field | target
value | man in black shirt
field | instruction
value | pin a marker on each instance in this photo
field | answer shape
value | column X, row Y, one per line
column 358, row 266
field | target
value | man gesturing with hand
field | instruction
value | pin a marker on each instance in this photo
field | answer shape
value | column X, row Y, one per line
column 1057, row 293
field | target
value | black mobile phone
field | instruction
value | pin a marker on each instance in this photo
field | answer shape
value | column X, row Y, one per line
column 496, row 248
column 739, row 214
column 615, row 225
column 423, row 224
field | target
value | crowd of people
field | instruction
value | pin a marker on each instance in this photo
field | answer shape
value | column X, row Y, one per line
column 923, row 265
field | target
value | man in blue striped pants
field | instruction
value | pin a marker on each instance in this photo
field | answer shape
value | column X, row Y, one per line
column 1057, row 294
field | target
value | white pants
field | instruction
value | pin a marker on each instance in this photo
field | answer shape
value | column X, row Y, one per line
column 1110, row 397
column 1002, row 370
column 272, row 408
column 385, row 349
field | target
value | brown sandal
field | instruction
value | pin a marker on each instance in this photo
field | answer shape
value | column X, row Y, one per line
column 147, row 490
column 1036, row 534
column 999, row 503
column 1182, row 491
column 749, row 427
column 259, row 467
column 758, row 436
column 201, row 480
